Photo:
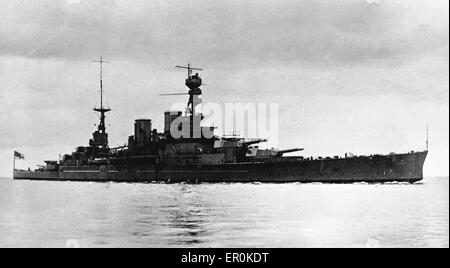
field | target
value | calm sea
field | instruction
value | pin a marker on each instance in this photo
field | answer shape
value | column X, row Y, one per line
column 60, row 214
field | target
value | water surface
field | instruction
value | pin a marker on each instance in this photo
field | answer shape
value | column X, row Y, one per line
column 56, row 214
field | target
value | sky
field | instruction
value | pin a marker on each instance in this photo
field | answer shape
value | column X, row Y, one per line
column 360, row 76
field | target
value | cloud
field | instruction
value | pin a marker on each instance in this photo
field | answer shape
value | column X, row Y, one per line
column 230, row 32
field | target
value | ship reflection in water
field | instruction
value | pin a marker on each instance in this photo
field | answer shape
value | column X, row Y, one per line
column 48, row 214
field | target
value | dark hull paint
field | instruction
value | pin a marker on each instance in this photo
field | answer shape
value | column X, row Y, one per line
column 375, row 169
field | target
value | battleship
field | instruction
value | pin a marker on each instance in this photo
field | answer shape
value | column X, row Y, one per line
column 201, row 156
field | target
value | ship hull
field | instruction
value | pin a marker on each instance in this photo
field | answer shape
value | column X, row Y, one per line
column 374, row 169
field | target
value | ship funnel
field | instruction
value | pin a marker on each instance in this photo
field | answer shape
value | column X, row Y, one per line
column 142, row 132
column 169, row 118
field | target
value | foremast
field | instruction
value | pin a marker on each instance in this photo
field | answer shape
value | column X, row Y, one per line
column 100, row 137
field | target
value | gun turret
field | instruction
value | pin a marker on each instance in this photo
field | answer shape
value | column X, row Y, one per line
column 280, row 153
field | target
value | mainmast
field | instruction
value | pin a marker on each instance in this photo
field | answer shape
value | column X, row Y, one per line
column 193, row 82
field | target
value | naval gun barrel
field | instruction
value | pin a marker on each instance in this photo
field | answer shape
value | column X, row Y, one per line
column 256, row 141
column 280, row 153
